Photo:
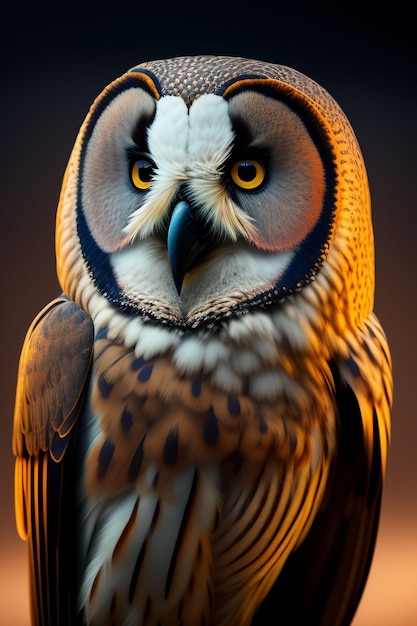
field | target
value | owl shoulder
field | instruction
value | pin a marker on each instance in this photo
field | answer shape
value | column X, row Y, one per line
column 53, row 371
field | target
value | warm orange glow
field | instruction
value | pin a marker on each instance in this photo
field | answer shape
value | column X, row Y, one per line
column 14, row 592
column 390, row 597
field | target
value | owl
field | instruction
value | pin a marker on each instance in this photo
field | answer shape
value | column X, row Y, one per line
column 202, row 417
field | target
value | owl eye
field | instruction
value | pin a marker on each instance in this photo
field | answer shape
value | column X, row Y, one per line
column 141, row 172
column 248, row 174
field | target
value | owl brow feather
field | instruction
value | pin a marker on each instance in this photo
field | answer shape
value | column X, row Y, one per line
column 140, row 131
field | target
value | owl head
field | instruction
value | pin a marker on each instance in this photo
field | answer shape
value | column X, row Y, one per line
column 202, row 188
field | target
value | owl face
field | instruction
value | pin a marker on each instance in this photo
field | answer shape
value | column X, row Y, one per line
column 199, row 189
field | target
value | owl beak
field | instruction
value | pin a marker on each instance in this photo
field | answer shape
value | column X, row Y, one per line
column 187, row 239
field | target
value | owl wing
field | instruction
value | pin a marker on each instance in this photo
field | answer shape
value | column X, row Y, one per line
column 53, row 371
column 322, row 582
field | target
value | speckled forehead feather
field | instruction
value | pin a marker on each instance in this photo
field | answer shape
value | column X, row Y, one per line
column 191, row 76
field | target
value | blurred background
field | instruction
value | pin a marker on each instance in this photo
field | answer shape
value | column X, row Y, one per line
column 56, row 60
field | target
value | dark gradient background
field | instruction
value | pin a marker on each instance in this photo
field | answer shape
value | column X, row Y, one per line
column 54, row 63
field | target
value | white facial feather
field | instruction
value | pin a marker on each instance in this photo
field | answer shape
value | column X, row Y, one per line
column 211, row 141
column 167, row 141
column 133, row 268
column 211, row 137
column 190, row 146
column 228, row 270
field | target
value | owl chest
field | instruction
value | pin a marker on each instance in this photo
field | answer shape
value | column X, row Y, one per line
column 149, row 414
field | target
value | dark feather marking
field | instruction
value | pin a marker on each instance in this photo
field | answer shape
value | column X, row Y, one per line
column 145, row 373
column 136, row 462
column 171, row 448
column 125, row 532
column 370, row 330
column 126, row 420
column 104, row 386
column 211, row 428
column 101, row 333
column 290, row 437
column 353, row 367
column 180, row 536
column 104, row 458
column 292, row 441
column 141, row 555
column 387, row 390
column 196, row 387
column 155, row 516
column 137, row 364
column 155, row 480
column 369, row 353
column 263, row 426
column 135, row 573
column 233, row 405
column 385, row 352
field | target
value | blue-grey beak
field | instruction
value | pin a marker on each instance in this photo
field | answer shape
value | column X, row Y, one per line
column 187, row 239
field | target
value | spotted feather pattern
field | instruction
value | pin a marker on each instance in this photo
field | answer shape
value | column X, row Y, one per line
column 152, row 413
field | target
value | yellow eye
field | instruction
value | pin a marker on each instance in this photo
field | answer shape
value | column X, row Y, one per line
column 248, row 174
column 141, row 173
